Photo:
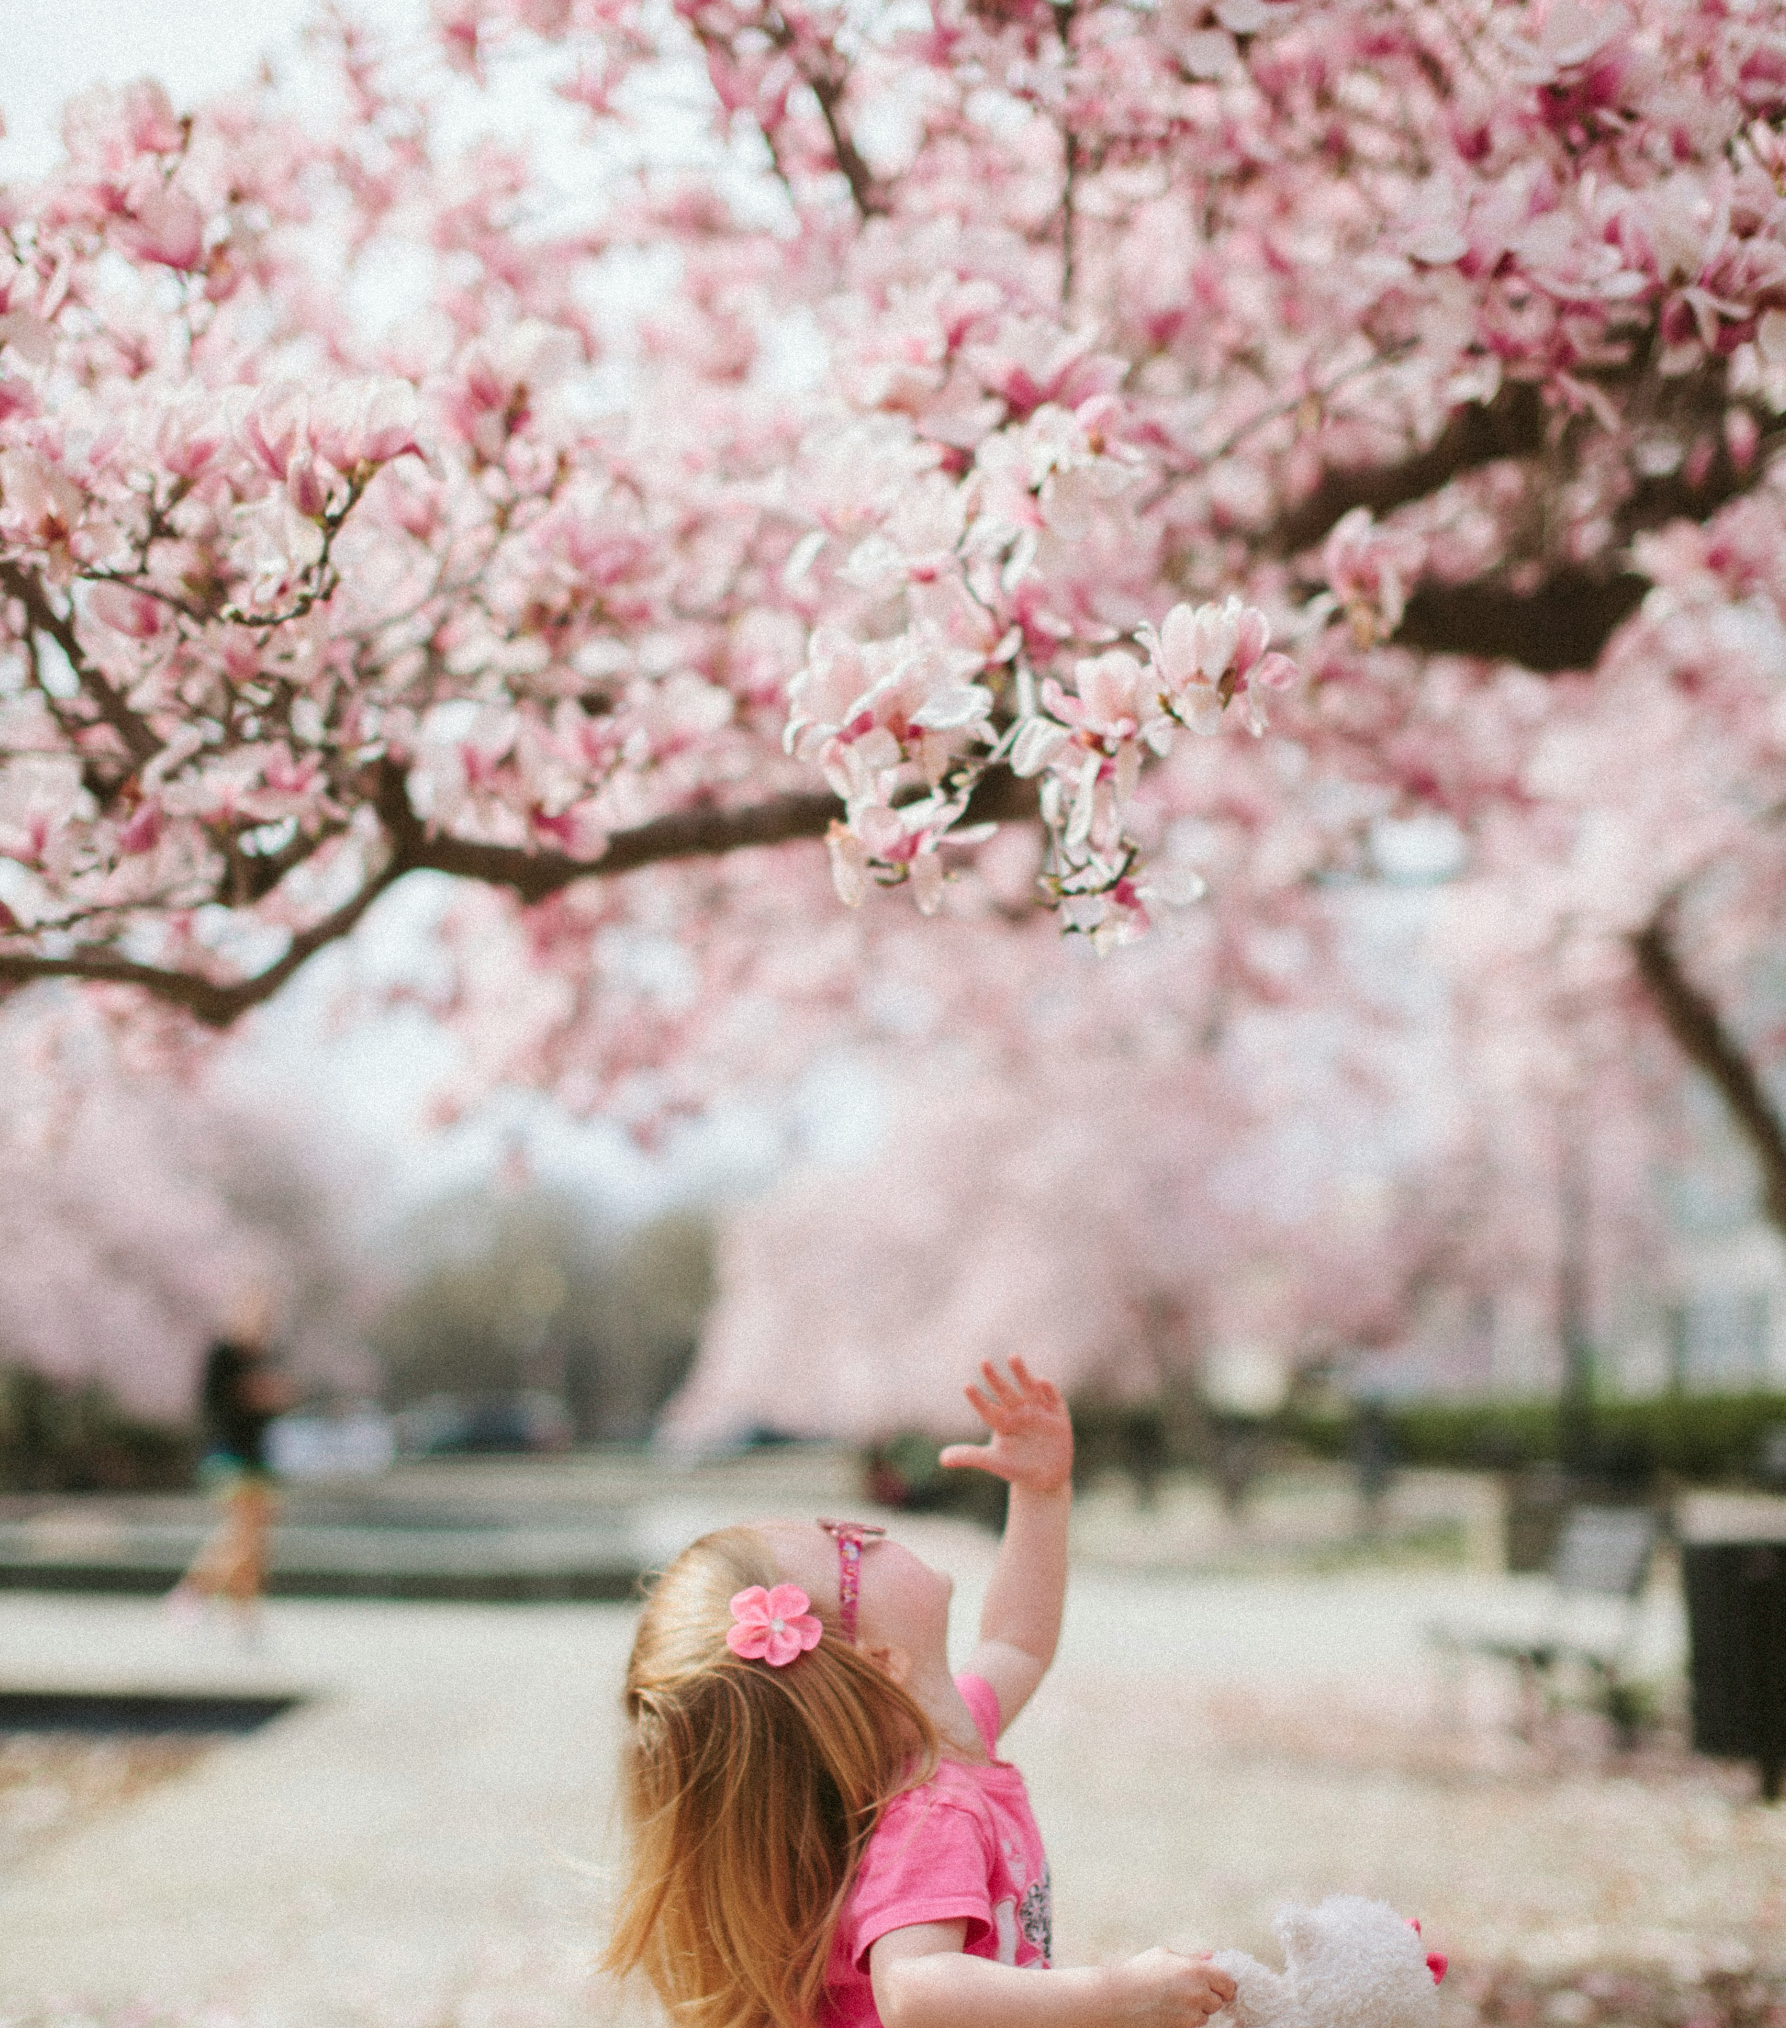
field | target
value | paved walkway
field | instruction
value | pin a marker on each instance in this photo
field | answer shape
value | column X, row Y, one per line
column 423, row 1844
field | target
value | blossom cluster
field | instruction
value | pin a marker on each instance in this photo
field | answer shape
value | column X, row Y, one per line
column 948, row 428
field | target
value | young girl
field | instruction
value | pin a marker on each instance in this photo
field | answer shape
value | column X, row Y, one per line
column 821, row 1833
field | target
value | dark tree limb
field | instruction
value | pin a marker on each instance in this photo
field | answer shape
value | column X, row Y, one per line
column 1567, row 620
column 1700, row 1030
column 531, row 876
column 1692, row 495
column 1564, row 624
column 826, row 80
column 217, row 1003
column 865, row 192
column 1510, row 426
column 686, row 834
column 689, row 834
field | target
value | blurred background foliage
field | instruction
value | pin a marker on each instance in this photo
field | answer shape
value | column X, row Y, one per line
column 1699, row 1438
column 526, row 1294
column 75, row 1437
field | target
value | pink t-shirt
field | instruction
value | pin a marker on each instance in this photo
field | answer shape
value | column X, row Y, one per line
column 962, row 1845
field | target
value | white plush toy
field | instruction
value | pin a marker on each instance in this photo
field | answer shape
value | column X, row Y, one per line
column 1350, row 1963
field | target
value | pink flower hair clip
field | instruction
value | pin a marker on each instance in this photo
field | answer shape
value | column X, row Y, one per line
column 773, row 1626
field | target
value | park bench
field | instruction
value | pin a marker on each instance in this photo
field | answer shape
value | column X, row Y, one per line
column 1582, row 1623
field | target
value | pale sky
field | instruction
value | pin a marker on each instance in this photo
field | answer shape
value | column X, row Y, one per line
column 55, row 48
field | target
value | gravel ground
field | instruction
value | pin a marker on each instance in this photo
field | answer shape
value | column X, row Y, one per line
column 1218, row 1805
column 53, row 1783
column 1208, row 1748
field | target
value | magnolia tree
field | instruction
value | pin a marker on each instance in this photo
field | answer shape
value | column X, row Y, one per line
column 853, row 1300
column 926, row 419
column 1429, row 1151
column 139, row 1222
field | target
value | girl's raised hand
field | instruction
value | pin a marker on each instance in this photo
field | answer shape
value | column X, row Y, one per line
column 1032, row 1434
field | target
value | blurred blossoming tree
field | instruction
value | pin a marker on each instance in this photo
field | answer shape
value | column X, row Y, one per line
column 933, row 433
column 138, row 1221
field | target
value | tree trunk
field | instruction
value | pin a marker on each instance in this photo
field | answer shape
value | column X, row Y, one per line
column 1575, row 1328
column 1695, row 1023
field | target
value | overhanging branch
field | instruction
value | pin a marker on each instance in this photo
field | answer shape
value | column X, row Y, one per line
column 686, row 834
column 217, row 1003
column 689, row 834
column 532, row 876
column 1564, row 624
column 139, row 737
column 1565, row 621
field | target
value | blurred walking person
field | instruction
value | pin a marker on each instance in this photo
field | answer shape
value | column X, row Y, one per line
column 242, row 1392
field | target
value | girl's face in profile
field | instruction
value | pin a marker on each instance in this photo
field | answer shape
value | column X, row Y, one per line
column 903, row 1602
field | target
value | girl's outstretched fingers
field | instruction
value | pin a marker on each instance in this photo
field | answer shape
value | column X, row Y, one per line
column 1022, row 1390
column 1031, row 1441
column 1043, row 1392
column 1002, row 1390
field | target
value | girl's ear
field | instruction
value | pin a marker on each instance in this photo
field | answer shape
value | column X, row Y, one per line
column 893, row 1663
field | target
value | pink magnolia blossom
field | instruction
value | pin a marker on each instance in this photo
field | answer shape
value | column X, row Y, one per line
column 962, row 421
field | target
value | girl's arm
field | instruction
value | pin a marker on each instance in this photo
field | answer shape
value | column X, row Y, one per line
column 1032, row 1449
column 922, row 1978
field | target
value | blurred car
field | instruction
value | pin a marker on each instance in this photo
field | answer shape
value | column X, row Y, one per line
column 454, row 1425
column 355, row 1441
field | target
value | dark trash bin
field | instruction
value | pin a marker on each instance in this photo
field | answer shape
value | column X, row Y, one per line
column 1736, row 1623
column 1537, row 1501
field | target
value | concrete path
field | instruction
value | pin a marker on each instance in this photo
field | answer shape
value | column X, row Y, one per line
column 423, row 1845
column 574, row 1528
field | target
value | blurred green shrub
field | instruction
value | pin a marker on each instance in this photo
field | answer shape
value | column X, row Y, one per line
column 1134, row 1438
column 497, row 1295
column 1702, row 1438
column 58, row 1437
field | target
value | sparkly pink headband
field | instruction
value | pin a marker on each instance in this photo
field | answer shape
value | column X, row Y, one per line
column 849, row 1537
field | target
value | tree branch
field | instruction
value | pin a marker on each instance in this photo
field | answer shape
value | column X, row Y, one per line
column 689, row 834
column 216, row 1003
column 1564, row 624
column 1692, row 492
column 137, row 734
column 1696, row 1025
column 865, row 191
column 532, row 876
column 826, row 81
column 1510, row 426
column 1064, row 14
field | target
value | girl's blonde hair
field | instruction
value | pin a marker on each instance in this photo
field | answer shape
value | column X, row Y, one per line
column 749, row 1794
